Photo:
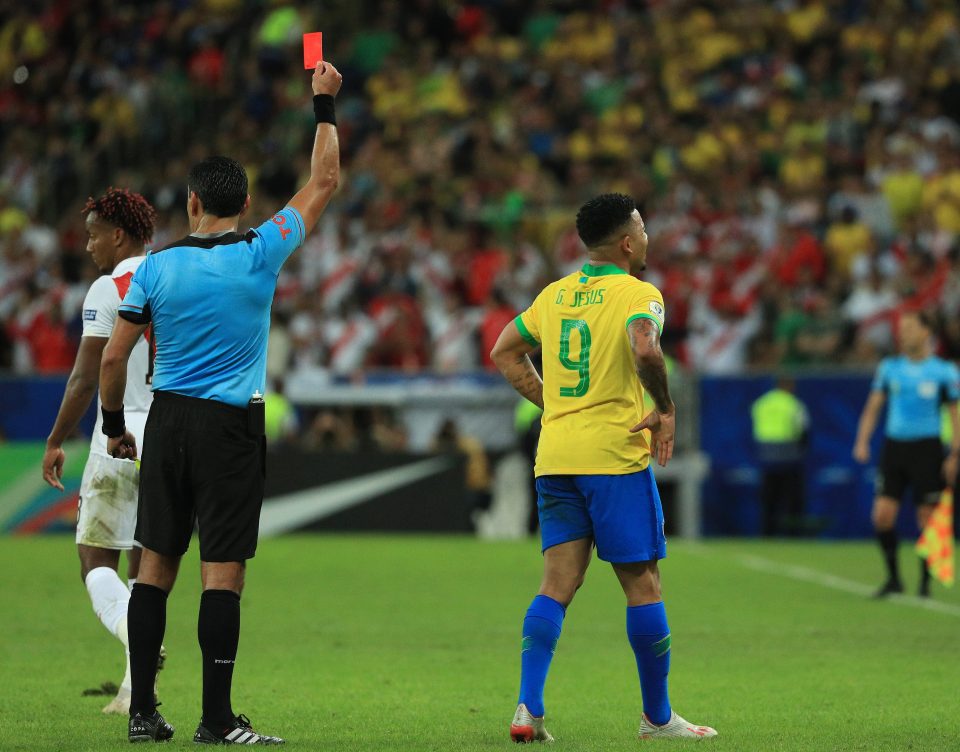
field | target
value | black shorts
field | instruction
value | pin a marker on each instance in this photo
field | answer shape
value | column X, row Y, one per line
column 200, row 464
column 916, row 465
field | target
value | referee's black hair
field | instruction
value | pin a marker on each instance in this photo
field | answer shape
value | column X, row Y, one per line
column 603, row 215
column 221, row 185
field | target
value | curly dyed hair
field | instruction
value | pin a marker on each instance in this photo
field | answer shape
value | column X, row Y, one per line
column 603, row 215
column 125, row 209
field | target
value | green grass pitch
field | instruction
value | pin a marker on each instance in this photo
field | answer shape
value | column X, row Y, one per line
column 412, row 643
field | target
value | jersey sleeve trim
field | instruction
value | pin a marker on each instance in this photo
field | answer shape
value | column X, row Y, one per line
column 296, row 216
column 525, row 333
column 653, row 318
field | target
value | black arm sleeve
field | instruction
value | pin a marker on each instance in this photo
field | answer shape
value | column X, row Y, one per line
column 136, row 317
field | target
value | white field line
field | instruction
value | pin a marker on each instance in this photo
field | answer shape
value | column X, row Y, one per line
column 283, row 514
column 805, row 574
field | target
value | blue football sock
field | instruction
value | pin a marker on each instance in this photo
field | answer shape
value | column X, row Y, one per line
column 650, row 639
column 541, row 630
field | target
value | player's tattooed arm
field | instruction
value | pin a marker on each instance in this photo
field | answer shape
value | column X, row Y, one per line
column 524, row 378
column 511, row 354
column 652, row 371
column 651, row 368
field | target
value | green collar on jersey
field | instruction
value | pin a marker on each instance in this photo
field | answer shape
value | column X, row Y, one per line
column 596, row 271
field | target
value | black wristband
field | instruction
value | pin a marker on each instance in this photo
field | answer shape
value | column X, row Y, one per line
column 113, row 422
column 323, row 109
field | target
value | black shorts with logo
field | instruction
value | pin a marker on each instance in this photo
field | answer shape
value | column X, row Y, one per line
column 916, row 465
column 200, row 464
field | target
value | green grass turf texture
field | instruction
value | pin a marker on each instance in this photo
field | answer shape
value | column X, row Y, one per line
column 412, row 643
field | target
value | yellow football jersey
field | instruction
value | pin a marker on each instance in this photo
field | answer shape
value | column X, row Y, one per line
column 592, row 396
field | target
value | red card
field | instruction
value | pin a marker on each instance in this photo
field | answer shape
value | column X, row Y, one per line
column 312, row 49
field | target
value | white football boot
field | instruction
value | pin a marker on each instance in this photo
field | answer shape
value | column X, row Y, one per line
column 675, row 728
column 528, row 728
column 120, row 705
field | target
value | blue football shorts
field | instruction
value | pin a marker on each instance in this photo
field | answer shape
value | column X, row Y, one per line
column 622, row 513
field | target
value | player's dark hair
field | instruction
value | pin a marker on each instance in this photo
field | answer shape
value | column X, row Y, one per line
column 125, row 209
column 603, row 215
column 221, row 184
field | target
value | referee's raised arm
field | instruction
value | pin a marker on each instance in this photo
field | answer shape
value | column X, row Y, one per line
column 311, row 200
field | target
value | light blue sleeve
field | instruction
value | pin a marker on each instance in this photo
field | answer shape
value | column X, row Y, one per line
column 135, row 306
column 280, row 236
column 951, row 383
column 881, row 378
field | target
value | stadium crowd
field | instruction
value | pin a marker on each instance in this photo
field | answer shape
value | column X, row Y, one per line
column 797, row 162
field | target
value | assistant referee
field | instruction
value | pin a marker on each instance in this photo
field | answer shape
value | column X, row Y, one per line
column 208, row 297
column 916, row 383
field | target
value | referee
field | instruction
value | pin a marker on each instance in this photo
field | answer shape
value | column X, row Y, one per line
column 208, row 297
column 915, row 383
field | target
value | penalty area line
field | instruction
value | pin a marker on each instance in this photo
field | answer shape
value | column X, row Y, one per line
column 805, row 574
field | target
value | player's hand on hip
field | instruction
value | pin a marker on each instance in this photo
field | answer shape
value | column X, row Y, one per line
column 662, row 427
column 53, row 459
column 122, row 447
column 861, row 453
column 326, row 79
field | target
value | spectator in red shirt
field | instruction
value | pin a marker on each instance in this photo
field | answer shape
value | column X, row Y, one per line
column 401, row 333
column 206, row 65
column 486, row 263
column 51, row 348
column 798, row 248
column 497, row 314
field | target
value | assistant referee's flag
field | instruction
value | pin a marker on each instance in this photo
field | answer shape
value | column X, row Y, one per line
column 936, row 540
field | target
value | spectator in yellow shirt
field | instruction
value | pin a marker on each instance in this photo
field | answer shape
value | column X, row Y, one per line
column 847, row 239
column 903, row 189
column 803, row 170
column 941, row 196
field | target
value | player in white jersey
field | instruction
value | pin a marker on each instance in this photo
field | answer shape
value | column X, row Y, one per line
column 119, row 223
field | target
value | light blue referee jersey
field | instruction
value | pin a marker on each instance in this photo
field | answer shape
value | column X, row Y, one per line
column 209, row 301
column 915, row 390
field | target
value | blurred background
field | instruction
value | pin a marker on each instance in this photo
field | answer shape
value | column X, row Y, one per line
column 796, row 162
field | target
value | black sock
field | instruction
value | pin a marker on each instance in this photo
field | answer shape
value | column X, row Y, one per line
column 888, row 544
column 146, row 623
column 218, row 630
column 924, row 575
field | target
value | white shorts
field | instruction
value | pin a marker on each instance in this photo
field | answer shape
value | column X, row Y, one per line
column 107, row 514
